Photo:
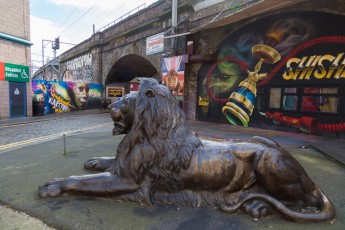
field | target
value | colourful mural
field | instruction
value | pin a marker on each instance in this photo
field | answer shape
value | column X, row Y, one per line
column 173, row 75
column 306, row 82
column 60, row 96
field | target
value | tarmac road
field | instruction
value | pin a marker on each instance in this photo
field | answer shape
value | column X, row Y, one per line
column 21, row 132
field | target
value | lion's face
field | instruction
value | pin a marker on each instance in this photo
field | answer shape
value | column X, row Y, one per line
column 172, row 79
column 122, row 113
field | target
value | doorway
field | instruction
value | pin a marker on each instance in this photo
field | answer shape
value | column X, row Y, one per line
column 17, row 91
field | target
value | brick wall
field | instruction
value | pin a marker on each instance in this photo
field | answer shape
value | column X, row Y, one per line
column 4, row 98
column 15, row 21
column 15, row 18
column 14, row 53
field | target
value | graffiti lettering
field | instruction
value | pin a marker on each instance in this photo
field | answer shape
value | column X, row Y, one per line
column 80, row 68
column 315, row 66
column 57, row 104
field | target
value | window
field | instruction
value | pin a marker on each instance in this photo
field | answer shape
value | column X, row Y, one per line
column 290, row 99
column 275, row 97
column 320, row 99
column 260, row 99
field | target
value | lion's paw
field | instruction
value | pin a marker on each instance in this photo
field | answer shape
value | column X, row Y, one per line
column 99, row 163
column 257, row 209
column 51, row 189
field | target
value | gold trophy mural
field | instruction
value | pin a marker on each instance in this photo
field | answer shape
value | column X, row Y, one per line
column 240, row 104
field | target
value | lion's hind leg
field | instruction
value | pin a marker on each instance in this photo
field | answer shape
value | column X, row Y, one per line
column 100, row 164
column 281, row 174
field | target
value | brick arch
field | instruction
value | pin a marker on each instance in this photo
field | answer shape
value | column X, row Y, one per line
column 129, row 67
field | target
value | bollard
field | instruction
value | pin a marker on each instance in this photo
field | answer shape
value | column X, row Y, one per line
column 64, row 145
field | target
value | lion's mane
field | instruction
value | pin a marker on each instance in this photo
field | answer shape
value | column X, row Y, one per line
column 160, row 143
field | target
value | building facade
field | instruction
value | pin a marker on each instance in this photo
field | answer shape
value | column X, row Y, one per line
column 282, row 69
column 270, row 64
column 15, row 58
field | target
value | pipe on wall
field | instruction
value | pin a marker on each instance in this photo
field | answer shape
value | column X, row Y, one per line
column 15, row 39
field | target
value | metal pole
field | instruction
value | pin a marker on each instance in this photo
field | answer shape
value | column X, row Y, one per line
column 43, row 58
column 174, row 24
column 64, row 144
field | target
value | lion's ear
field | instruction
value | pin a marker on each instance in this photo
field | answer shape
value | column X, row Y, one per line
column 150, row 93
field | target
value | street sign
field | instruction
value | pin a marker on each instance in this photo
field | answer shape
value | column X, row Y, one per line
column 115, row 92
column 17, row 73
column 155, row 44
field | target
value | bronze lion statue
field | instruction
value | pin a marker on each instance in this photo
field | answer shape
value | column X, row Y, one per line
column 161, row 161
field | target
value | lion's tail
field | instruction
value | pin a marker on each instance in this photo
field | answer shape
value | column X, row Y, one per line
column 327, row 210
column 266, row 141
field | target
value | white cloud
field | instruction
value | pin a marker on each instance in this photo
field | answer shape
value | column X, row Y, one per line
column 40, row 28
column 103, row 12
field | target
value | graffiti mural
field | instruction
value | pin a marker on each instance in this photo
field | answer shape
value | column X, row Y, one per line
column 173, row 75
column 61, row 96
column 79, row 69
column 306, row 82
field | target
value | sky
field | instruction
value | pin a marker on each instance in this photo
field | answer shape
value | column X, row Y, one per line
column 72, row 21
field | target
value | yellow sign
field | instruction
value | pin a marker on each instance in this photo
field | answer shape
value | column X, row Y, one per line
column 315, row 66
column 204, row 101
column 115, row 92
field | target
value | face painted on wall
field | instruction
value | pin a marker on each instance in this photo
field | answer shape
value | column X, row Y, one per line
column 172, row 82
column 81, row 90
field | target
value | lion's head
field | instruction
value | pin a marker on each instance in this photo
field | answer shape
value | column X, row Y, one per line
column 159, row 142
column 122, row 113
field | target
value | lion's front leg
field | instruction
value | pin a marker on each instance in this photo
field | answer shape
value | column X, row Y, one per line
column 93, row 184
column 100, row 164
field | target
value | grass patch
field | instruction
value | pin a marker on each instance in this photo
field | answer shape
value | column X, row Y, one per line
column 67, row 153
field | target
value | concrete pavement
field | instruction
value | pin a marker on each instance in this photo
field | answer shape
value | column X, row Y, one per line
column 331, row 146
column 22, row 170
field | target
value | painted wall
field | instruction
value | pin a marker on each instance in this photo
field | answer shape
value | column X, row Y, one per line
column 173, row 75
column 308, row 81
column 61, row 96
column 78, row 69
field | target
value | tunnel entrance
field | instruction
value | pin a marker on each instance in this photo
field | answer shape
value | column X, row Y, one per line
column 130, row 67
column 123, row 76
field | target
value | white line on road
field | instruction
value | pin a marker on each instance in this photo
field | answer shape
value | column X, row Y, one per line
column 49, row 137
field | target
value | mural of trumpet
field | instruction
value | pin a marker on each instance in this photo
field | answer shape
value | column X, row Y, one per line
column 240, row 104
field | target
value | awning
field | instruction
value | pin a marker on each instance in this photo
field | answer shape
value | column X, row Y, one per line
column 255, row 9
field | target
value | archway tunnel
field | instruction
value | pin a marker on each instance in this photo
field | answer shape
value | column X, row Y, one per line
column 129, row 67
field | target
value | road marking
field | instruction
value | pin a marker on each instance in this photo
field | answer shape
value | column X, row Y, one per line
column 51, row 136
column 43, row 120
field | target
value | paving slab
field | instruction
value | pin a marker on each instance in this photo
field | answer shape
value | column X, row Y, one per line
column 23, row 170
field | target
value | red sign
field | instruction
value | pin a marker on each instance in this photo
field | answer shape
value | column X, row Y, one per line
column 2, row 71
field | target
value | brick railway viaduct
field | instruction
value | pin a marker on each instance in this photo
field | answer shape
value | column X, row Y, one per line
column 118, row 53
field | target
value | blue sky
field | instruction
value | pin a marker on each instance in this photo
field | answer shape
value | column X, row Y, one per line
column 72, row 20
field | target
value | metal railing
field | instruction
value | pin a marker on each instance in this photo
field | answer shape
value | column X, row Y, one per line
column 137, row 9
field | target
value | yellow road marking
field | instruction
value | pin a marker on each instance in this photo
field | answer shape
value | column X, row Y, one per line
column 15, row 125
column 43, row 120
column 51, row 136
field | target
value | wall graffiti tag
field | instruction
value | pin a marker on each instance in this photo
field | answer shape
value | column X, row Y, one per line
column 79, row 69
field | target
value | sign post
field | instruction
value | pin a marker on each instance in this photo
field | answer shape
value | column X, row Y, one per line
column 155, row 44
